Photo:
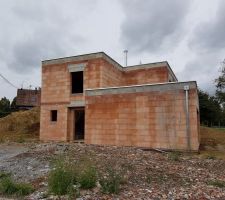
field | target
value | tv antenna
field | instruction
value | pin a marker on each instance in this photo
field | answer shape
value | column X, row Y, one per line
column 125, row 61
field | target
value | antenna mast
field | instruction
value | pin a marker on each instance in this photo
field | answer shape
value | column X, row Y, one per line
column 125, row 52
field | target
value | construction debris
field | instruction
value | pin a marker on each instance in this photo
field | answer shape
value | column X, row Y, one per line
column 148, row 174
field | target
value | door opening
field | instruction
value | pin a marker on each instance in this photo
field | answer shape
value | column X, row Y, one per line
column 79, row 124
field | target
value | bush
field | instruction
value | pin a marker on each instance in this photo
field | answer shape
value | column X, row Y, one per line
column 110, row 183
column 88, row 178
column 61, row 179
column 217, row 183
column 9, row 187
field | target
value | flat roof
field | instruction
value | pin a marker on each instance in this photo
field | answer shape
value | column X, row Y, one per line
column 110, row 60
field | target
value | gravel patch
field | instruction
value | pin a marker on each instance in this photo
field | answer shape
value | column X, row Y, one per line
column 149, row 174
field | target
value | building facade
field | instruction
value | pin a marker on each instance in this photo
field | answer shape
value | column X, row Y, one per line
column 27, row 98
column 93, row 98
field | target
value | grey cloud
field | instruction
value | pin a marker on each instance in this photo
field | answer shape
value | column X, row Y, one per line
column 37, row 30
column 204, row 69
column 28, row 54
column 153, row 25
column 209, row 36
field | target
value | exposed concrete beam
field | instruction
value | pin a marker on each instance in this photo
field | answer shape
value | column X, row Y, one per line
column 76, row 104
column 141, row 88
column 77, row 67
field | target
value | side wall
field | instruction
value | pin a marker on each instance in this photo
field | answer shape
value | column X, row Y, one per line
column 146, row 76
column 111, row 76
column 152, row 117
column 54, row 96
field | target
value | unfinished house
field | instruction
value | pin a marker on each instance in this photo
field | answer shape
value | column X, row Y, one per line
column 92, row 98
column 27, row 98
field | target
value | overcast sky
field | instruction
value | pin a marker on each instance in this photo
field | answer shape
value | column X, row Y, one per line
column 189, row 34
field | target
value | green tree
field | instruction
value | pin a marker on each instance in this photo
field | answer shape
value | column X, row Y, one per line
column 220, row 85
column 13, row 105
column 4, row 107
column 210, row 109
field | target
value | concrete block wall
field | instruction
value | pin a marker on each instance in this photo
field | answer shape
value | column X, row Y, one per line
column 152, row 119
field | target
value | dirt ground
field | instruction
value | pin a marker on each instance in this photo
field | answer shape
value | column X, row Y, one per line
column 149, row 174
column 7, row 152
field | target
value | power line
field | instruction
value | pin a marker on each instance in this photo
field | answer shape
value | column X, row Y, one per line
column 7, row 81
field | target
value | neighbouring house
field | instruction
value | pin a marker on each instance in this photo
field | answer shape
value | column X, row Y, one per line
column 93, row 98
column 27, row 98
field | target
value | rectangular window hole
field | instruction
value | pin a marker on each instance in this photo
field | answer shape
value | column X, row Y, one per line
column 53, row 115
column 77, row 82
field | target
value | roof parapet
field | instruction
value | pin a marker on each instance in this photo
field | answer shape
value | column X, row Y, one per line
column 103, row 55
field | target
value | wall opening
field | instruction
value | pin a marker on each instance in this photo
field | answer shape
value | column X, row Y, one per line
column 53, row 115
column 79, row 120
column 77, row 82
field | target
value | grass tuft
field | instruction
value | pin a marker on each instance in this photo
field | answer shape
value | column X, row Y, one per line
column 61, row 178
column 68, row 177
column 111, row 181
column 9, row 187
column 217, row 183
column 88, row 178
column 174, row 156
column 4, row 175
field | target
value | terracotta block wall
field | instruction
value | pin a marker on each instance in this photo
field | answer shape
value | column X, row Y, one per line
column 92, row 73
column 111, row 76
column 56, row 95
column 54, row 130
column 145, row 119
column 55, row 84
column 146, row 76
